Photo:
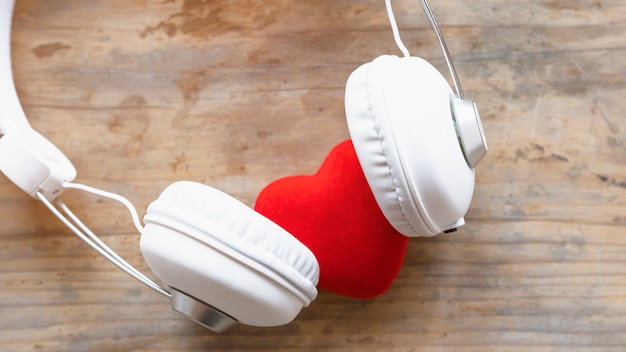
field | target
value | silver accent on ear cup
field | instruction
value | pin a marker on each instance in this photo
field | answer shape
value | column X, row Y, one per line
column 200, row 312
column 466, row 118
column 469, row 129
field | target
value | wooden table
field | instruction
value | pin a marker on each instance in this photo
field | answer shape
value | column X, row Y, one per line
column 236, row 94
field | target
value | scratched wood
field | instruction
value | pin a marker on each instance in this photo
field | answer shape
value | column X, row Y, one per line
column 235, row 94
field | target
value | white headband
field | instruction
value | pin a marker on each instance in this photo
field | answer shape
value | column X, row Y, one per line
column 12, row 115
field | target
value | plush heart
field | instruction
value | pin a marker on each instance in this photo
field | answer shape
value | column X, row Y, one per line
column 334, row 214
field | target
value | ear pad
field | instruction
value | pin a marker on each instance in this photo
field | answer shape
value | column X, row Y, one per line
column 400, row 120
column 333, row 212
column 209, row 245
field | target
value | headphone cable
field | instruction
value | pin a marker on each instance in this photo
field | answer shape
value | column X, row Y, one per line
column 81, row 230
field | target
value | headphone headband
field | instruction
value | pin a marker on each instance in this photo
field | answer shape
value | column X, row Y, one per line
column 12, row 115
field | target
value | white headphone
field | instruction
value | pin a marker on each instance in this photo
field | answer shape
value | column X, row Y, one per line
column 416, row 140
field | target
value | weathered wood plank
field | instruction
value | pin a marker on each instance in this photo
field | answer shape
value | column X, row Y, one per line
column 237, row 94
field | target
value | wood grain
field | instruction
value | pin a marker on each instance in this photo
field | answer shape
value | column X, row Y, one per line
column 236, row 94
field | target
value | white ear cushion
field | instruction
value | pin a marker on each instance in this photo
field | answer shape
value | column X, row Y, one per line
column 376, row 148
column 199, row 204
column 258, row 272
column 399, row 117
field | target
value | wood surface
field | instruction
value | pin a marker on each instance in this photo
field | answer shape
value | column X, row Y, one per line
column 238, row 93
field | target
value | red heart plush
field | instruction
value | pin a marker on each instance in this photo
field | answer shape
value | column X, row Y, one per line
column 334, row 214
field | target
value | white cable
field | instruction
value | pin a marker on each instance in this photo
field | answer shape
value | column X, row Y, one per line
column 119, row 260
column 104, row 251
column 110, row 195
column 394, row 29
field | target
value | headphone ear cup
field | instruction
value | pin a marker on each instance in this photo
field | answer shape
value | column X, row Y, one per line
column 210, row 246
column 400, row 121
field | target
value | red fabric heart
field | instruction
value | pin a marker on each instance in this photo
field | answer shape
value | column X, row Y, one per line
column 334, row 214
